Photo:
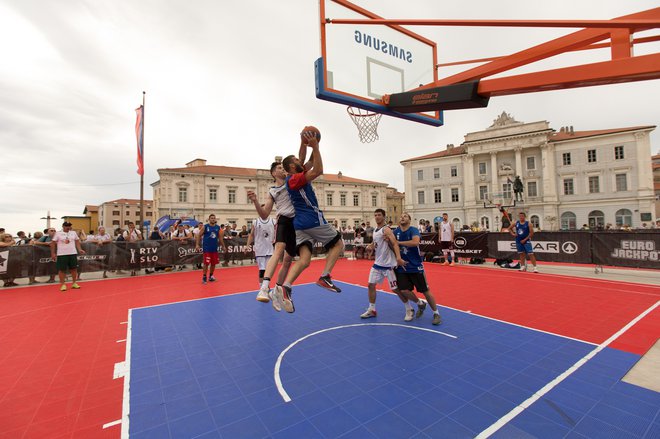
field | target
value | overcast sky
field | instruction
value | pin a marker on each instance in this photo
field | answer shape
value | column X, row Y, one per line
column 233, row 82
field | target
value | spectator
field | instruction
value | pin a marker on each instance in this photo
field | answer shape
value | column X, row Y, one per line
column 368, row 233
column 584, row 227
column 22, row 239
column 233, row 230
column 132, row 235
column 156, row 234
column 119, row 235
column 44, row 241
column 65, row 243
column 359, row 230
column 227, row 237
column 182, row 235
column 644, row 226
column 6, row 240
column 195, row 233
column 101, row 238
column 244, row 233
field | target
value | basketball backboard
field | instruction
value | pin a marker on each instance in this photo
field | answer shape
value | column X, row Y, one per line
column 498, row 200
column 359, row 63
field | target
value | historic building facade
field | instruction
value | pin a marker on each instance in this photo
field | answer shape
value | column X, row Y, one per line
column 570, row 178
column 198, row 189
column 118, row 213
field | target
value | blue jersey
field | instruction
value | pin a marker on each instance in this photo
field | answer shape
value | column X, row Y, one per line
column 304, row 202
column 210, row 238
column 409, row 254
column 522, row 230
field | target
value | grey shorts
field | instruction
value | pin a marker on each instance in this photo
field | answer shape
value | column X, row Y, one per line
column 325, row 234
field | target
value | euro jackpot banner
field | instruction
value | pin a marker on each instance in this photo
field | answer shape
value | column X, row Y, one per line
column 572, row 247
column 622, row 249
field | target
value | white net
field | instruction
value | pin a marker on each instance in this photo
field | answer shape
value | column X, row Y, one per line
column 366, row 123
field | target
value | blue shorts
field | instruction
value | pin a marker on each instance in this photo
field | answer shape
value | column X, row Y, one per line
column 525, row 248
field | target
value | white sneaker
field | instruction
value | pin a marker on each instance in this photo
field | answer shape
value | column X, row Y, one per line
column 535, row 269
column 523, row 268
column 368, row 313
column 277, row 306
column 410, row 313
column 263, row 295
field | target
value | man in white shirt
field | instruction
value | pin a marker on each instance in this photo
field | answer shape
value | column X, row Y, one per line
column 262, row 237
column 64, row 248
column 182, row 235
column 101, row 238
column 132, row 234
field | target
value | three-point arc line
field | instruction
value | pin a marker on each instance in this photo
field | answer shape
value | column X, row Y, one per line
column 278, row 381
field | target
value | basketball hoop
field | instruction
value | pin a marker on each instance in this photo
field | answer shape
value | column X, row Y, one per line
column 366, row 123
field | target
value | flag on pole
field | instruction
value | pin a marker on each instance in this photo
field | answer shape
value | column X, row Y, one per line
column 139, row 133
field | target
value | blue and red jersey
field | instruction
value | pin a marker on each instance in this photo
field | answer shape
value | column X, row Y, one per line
column 304, row 201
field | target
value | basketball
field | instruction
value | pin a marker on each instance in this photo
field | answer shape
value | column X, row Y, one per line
column 312, row 129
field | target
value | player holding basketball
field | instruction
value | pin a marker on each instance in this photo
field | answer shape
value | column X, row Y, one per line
column 387, row 257
column 311, row 227
column 411, row 276
column 210, row 237
column 285, row 234
column 261, row 235
column 524, row 234
column 447, row 239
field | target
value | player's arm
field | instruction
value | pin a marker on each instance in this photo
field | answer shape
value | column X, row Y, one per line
column 267, row 207
column 511, row 227
column 79, row 247
column 531, row 233
column 317, row 161
column 414, row 242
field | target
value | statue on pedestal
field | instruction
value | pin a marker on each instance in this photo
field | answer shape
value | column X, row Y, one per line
column 518, row 188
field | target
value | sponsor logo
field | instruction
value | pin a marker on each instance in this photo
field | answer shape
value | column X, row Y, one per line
column 4, row 261
column 46, row 260
column 92, row 257
column 144, row 254
column 427, row 242
column 383, row 46
column 188, row 251
column 636, row 250
column 569, row 247
column 460, row 242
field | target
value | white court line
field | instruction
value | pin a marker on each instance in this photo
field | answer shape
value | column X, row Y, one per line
column 125, row 408
column 552, row 384
column 111, row 424
column 489, row 318
column 123, row 323
column 278, row 381
column 120, row 341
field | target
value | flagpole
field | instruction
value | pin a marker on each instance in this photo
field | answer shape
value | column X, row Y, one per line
column 142, row 176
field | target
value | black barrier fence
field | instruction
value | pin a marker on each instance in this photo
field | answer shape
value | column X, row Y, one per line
column 625, row 249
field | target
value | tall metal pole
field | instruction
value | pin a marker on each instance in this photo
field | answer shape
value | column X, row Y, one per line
column 142, row 176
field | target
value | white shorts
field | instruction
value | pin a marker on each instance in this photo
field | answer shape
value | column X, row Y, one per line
column 377, row 275
column 262, row 261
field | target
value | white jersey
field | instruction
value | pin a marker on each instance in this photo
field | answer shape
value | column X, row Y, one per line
column 445, row 231
column 385, row 257
column 264, row 235
column 280, row 195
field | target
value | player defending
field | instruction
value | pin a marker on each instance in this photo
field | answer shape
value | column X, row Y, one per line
column 310, row 225
column 524, row 234
column 210, row 237
column 412, row 274
column 285, row 234
column 387, row 257
column 447, row 239
column 261, row 237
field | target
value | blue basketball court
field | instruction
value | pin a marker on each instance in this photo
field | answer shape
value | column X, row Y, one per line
column 229, row 367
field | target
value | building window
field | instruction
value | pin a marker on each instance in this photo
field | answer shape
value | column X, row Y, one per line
column 507, row 188
column 437, row 196
column 618, row 152
column 454, row 171
column 115, row 212
column 328, row 199
column 213, row 195
column 420, row 197
column 568, row 221
column 457, row 223
column 149, row 214
column 356, row 199
column 591, row 156
column 420, row 174
column 532, row 190
column 621, row 183
column 231, row 199
column 594, row 184
column 485, row 223
column 535, row 222
column 126, row 222
column 436, row 173
column 566, row 158
column 483, row 192
column 596, row 219
column 374, row 200
column 183, row 195
column 623, row 217
column 342, row 200
column 531, row 163
column 128, row 212
column 454, row 195
column 568, row 186
column 482, row 168
column 356, row 223
column 344, row 223
column 115, row 222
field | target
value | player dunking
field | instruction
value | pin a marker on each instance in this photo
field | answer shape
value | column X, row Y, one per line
column 387, row 257
column 285, row 234
column 261, row 238
column 411, row 276
column 447, row 239
column 210, row 237
column 310, row 225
